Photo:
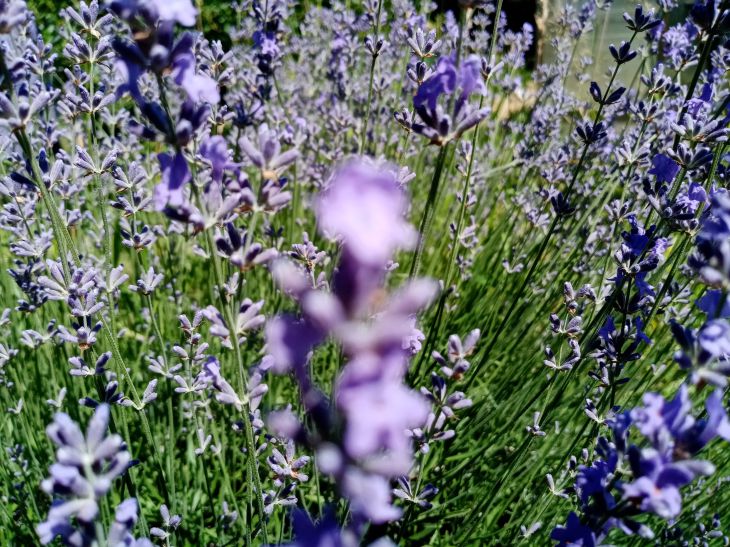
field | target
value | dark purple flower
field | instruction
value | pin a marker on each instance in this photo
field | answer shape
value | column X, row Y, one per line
column 710, row 302
column 442, row 81
column 664, row 168
column 175, row 175
column 289, row 342
column 434, row 98
column 641, row 22
column 323, row 533
column 573, row 533
column 698, row 435
column 593, row 483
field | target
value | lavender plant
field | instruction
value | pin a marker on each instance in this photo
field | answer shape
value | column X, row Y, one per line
column 366, row 273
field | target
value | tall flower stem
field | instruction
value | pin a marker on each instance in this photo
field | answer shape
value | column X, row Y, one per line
column 427, row 218
column 61, row 233
column 436, row 323
column 478, row 512
column 364, row 132
column 248, row 428
column 495, row 27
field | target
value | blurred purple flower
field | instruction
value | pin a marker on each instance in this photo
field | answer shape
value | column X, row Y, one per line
column 180, row 11
column 175, row 175
column 365, row 207
column 656, row 489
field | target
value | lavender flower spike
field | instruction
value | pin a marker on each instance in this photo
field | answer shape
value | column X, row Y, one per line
column 83, row 473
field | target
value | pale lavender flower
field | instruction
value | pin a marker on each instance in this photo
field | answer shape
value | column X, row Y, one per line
column 84, row 470
column 365, row 208
column 267, row 156
column 179, row 11
column 12, row 14
column 286, row 466
column 169, row 524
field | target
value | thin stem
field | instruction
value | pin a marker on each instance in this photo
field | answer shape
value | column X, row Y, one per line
column 364, row 132
column 553, row 226
column 427, row 217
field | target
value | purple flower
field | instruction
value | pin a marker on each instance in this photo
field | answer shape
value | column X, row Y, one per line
column 125, row 518
column 447, row 78
column 378, row 414
column 179, row 11
column 83, row 473
column 267, row 156
column 711, row 260
column 714, row 338
column 214, row 150
column 12, row 14
column 290, row 342
column 234, row 245
column 593, row 483
column 664, row 168
column 656, row 488
column 154, row 48
column 658, row 419
column 365, row 207
column 199, row 87
column 704, row 352
column 369, row 495
column 573, row 533
column 673, row 430
column 710, row 302
column 442, row 81
column 285, row 466
column 323, row 533
column 154, row 11
column 700, row 433
column 175, row 175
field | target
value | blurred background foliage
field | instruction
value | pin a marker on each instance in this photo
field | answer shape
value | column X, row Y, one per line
column 218, row 17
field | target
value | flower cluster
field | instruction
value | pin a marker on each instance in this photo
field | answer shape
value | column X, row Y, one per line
column 83, row 473
column 626, row 479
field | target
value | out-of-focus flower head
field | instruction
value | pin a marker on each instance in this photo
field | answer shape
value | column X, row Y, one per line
column 154, row 47
column 12, row 14
column 365, row 207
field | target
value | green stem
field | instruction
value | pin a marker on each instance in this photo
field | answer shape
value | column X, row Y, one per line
column 364, row 132
column 427, row 217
